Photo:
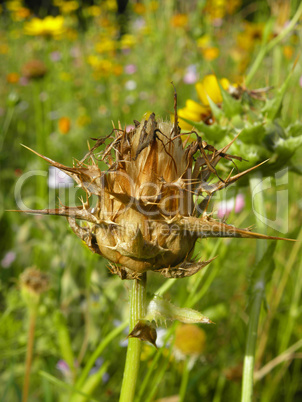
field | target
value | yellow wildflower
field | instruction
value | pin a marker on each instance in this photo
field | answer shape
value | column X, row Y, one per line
column 189, row 340
column 210, row 53
column 179, row 20
column 209, row 87
column 49, row 26
column 153, row 5
column 192, row 111
column 64, row 125
column 204, row 41
column 111, row 5
column 68, row 7
column 4, row 48
column 21, row 14
column 117, row 69
column 14, row 5
column 94, row 11
column 127, row 41
column 139, row 8
column 251, row 34
column 288, row 51
column 12, row 78
column 106, row 45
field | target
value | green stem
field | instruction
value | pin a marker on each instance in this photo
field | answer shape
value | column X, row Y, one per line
column 6, row 125
column 184, row 381
column 258, row 295
column 270, row 45
column 137, row 311
column 104, row 343
column 29, row 353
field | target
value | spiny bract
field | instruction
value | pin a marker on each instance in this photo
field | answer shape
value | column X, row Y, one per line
column 149, row 215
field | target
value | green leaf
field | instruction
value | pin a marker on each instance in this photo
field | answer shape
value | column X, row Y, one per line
column 90, row 384
column 213, row 133
column 217, row 112
column 262, row 272
column 288, row 146
column 62, row 384
column 272, row 108
column 253, row 134
column 230, row 105
column 294, row 130
column 64, row 341
column 162, row 310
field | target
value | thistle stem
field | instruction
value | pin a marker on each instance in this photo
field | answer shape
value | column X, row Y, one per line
column 258, row 295
column 137, row 311
column 29, row 353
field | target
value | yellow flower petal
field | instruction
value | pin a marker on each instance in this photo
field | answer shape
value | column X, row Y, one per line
column 209, row 87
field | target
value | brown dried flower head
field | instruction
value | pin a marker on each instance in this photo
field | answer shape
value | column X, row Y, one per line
column 152, row 200
column 34, row 69
column 34, row 281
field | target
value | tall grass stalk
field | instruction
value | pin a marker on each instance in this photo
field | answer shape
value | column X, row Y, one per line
column 29, row 352
column 258, row 293
column 137, row 311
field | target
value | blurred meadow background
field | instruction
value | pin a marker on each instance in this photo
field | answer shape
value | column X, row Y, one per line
column 68, row 70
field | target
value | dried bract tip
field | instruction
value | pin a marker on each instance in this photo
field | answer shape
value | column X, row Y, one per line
column 144, row 331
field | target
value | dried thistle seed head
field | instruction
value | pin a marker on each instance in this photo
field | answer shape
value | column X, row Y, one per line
column 33, row 283
column 152, row 199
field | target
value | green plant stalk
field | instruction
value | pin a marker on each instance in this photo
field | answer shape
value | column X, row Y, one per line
column 91, row 361
column 6, row 125
column 40, row 142
column 184, row 381
column 271, row 44
column 258, row 295
column 137, row 311
column 29, row 352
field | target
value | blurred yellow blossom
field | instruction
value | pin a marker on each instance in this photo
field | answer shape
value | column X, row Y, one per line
column 153, row 5
column 251, row 34
column 117, row 69
column 210, row 53
column 49, row 26
column 288, row 51
column 127, row 41
column 21, row 14
column 179, row 20
column 12, row 78
column 64, row 125
column 204, row 41
column 111, row 5
column 190, row 340
column 105, row 45
column 217, row 9
column 67, row 7
column 209, row 87
column 14, row 5
column 4, row 48
column 94, row 11
column 139, row 8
